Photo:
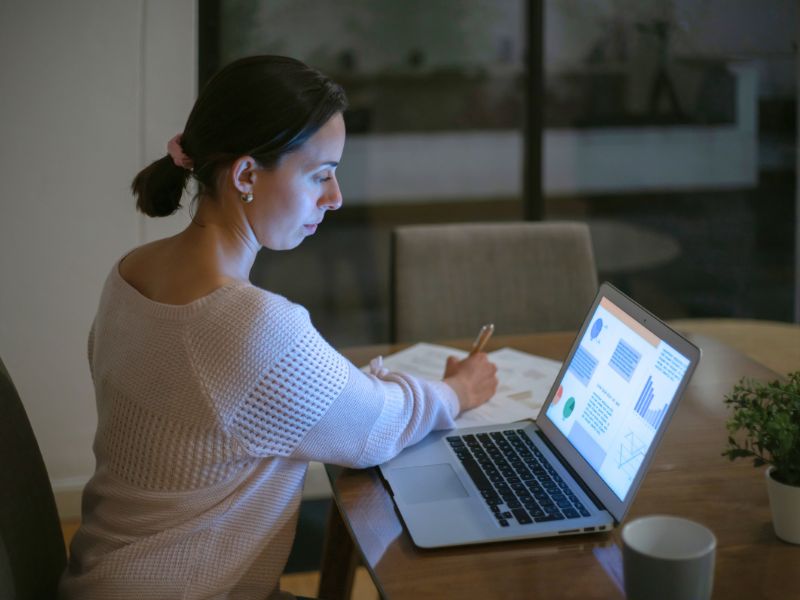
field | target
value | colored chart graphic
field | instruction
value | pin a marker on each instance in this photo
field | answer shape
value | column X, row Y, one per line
column 569, row 407
column 625, row 359
column 596, row 328
column 583, row 365
column 652, row 417
column 559, row 393
column 631, row 454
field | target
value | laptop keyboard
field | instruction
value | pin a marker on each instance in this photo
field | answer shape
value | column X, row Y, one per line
column 515, row 479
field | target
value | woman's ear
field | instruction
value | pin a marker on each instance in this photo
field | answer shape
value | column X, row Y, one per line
column 243, row 174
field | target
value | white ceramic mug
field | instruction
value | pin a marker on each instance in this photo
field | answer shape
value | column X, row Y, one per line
column 668, row 558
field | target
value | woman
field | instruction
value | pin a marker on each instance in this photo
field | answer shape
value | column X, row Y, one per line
column 213, row 394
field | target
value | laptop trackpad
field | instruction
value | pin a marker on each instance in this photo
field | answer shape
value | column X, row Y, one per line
column 430, row 483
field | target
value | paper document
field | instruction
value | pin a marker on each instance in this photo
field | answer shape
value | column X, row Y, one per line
column 524, row 380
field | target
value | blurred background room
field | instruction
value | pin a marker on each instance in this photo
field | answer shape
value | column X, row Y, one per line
column 668, row 126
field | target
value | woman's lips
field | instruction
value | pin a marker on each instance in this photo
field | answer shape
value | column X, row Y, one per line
column 311, row 228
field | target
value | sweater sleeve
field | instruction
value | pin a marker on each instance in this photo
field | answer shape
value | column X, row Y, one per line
column 372, row 419
column 279, row 389
column 308, row 402
column 313, row 404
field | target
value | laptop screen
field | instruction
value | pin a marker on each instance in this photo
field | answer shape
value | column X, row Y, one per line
column 615, row 393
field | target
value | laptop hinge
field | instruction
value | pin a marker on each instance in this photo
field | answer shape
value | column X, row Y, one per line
column 571, row 471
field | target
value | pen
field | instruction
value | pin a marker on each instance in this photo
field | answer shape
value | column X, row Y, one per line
column 483, row 336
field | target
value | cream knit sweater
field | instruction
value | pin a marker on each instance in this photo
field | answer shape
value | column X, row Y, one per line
column 208, row 414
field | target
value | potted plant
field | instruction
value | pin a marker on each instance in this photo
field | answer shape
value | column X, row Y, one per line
column 769, row 416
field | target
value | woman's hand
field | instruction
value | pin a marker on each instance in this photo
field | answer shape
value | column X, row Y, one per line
column 474, row 379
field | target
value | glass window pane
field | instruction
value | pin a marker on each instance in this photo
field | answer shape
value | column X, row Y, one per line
column 670, row 128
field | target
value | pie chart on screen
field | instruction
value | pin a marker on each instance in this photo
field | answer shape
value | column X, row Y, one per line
column 569, row 407
column 559, row 393
column 596, row 328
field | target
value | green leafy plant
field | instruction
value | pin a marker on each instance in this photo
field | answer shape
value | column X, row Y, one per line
column 769, row 416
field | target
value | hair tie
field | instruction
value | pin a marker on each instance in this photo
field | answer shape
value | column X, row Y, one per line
column 175, row 150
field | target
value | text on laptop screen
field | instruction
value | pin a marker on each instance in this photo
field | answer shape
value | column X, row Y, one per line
column 615, row 393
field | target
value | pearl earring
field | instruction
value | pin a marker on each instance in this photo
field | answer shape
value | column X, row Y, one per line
column 247, row 198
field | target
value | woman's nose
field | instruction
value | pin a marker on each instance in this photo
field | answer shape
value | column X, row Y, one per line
column 332, row 199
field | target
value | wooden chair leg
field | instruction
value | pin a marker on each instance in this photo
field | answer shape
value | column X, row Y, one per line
column 339, row 559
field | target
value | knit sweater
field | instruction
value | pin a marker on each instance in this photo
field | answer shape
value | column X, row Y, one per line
column 208, row 414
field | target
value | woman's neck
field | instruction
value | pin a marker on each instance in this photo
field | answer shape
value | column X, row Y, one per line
column 221, row 239
column 216, row 249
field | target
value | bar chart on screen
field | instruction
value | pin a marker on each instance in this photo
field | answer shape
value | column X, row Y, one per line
column 652, row 416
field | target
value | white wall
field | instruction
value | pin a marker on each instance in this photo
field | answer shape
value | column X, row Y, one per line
column 91, row 89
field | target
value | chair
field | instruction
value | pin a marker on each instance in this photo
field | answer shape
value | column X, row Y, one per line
column 32, row 553
column 447, row 280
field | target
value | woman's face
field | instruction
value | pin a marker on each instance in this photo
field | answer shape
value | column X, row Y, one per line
column 290, row 200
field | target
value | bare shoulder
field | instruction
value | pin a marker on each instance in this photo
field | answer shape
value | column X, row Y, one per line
column 160, row 272
column 140, row 263
column 140, row 258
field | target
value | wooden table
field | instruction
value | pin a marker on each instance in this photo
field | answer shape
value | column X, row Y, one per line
column 688, row 477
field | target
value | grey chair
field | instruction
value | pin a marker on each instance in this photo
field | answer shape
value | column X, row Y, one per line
column 447, row 280
column 32, row 553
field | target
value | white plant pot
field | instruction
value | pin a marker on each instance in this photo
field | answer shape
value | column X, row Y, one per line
column 784, row 500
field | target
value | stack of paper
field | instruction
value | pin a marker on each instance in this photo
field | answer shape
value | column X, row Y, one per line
column 525, row 380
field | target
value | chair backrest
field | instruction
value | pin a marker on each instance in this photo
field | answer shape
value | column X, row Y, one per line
column 448, row 280
column 30, row 531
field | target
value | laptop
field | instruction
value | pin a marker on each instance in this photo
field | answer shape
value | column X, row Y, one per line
column 577, row 468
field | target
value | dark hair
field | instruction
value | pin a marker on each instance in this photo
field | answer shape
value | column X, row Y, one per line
column 261, row 106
